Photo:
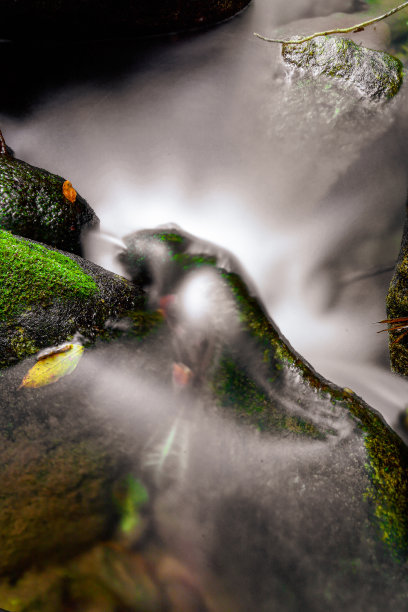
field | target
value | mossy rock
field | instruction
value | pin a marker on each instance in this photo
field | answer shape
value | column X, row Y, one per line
column 42, row 206
column 48, row 295
column 373, row 74
column 397, row 307
column 109, row 18
column 254, row 369
column 342, row 501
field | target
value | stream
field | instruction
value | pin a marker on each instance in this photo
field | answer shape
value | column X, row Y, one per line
column 209, row 131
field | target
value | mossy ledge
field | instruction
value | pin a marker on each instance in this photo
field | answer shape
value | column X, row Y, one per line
column 47, row 296
column 387, row 455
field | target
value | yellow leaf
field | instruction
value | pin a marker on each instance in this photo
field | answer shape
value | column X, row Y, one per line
column 53, row 364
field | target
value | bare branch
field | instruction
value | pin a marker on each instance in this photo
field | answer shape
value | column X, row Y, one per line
column 356, row 28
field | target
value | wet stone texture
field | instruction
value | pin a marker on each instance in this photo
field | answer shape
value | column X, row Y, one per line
column 195, row 437
column 89, row 18
column 42, row 206
column 397, row 308
column 373, row 74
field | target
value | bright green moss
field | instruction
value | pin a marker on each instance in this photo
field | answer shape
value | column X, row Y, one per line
column 32, row 274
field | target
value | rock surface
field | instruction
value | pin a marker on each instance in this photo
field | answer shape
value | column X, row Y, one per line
column 296, row 490
column 48, row 295
column 85, row 19
column 373, row 74
column 42, row 206
column 397, row 307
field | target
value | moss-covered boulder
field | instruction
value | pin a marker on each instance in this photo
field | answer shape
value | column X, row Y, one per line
column 107, row 18
column 397, row 308
column 47, row 296
column 252, row 370
column 373, row 74
column 42, row 206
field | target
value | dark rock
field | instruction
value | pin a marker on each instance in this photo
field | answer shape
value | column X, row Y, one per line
column 47, row 296
column 373, row 74
column 397, row 308
column 42, row 206
column 106, row 18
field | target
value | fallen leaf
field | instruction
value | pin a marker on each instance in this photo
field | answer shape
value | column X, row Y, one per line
column 69, row 192
column 52, row 365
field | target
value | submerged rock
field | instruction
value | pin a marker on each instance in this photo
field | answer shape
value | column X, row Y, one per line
column 42, row 206
column 374, row 74
column 88, row 18
column 289, row 491
column 48, row 295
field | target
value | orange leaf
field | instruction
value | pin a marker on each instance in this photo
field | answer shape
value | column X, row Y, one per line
column 69, row 192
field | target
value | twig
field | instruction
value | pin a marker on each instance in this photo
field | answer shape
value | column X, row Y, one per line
column 356, row 28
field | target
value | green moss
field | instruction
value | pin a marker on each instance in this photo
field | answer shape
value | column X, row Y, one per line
column 168, row 237
column 388, row 471
column 188, row 261
column 234, row 388
column 32, row 274
column 21, row 344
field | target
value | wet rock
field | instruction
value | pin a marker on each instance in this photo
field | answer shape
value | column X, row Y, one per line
column 397, row 308
column 373, row 74
column 48, row 295
column 42, row 206
column 256, row 469
column 84, row 19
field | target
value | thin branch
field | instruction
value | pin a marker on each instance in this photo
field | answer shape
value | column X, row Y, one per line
column 356, row 28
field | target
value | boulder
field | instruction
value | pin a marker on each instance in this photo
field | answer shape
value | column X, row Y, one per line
column 374, row 75
column 274, row 487
column 47, row 296
column 42, row 206
column 107, row 18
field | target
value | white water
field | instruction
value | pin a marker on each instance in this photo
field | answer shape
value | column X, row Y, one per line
column 206, row 131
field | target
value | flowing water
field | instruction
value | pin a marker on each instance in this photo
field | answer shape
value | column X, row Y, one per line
column 210, row 131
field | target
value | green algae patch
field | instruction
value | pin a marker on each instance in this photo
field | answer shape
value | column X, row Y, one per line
column 374, row 74
column 31, row 273
column 234, row 388
column 188, row 261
